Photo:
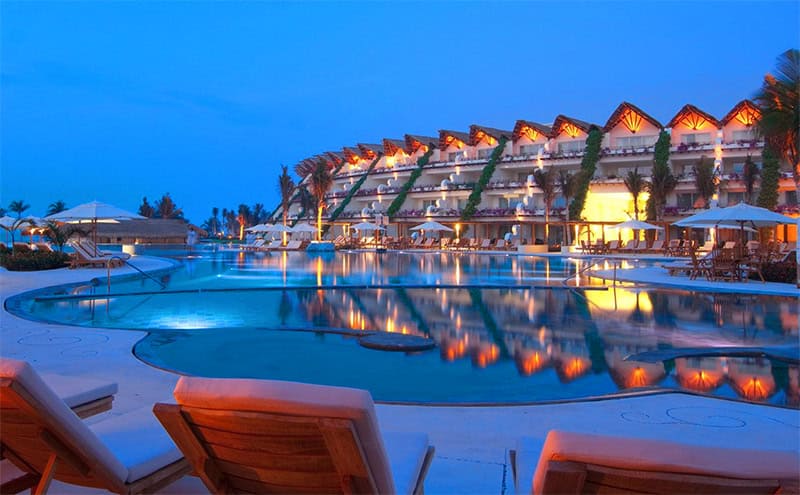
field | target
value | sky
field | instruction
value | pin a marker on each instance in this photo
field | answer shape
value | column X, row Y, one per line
column 116, row 101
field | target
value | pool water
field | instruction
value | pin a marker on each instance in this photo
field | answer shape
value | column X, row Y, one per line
column 507, row 329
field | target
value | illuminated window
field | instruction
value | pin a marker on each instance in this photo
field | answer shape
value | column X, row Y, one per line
column 484, row 153
column 696, row 138
column 530, row 149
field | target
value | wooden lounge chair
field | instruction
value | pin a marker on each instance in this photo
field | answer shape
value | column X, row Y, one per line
column 500, row 244
column 86, row 397
column 629, row 247
column 291, row 246
column 128, row 453
column 253, row 246
column 486, row 244
column 92, row 248
column 613, row 246
column 673, row 248
column 569, row 462
column 428, row 244
column 308, row 439
column 657, row 247
column 273, row 245
column 82, row 257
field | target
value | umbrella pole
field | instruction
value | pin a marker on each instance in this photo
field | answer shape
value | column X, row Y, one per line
column 94, row 234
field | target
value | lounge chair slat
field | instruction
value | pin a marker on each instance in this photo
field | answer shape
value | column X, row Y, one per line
column 614, row 480
column 303, row 462
column 344, row 446
column 243, row 485
column 250, row 424
column 270, row 444
column 283, row 478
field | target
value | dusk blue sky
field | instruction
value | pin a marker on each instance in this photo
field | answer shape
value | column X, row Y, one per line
column 118, row 100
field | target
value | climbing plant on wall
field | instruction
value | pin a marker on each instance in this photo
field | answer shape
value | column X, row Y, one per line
column 475, row 197
column 415, row 174
column 770, row 175
column 353, row 190
column 591, row 156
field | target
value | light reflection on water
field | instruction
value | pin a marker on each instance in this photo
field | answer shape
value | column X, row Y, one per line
column 493, row 344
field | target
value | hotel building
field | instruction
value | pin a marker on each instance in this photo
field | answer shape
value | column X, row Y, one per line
column 369, row 177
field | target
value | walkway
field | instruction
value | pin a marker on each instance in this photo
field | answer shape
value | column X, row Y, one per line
column 472, row 443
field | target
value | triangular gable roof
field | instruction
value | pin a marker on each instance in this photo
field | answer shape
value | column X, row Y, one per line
column 444, row 134
column 370, row 151
column 693, row 118
column 476, row 131
column 563, row 119
column 352, row 153
column 747, row 110
column 413, row 142
column 336, row 157
column 631, row 116
column 519, row 128
column 391, row 146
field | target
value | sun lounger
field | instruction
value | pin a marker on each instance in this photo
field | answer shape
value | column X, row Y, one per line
column 486, row 244
column 569, row 462
column 657, row 247
column 291, row 246
column 500, row 244
column 128, row 453
column 613, row 246
column 253, row 246
column 310, row 439
column 82, row 257
column 86, row 397
column 630, row 247
column 92, row 248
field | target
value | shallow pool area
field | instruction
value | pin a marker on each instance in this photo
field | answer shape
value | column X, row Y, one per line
column 507, row 329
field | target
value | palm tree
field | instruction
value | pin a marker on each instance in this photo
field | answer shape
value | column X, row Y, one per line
column 750, row 175
column 705, row 179
column 243, row 217
column 636, row 185
column 780, row 114
column 546, row 181
column 166, row 208
column 145, row 209
column 214, row 224
column 18, row 207
column 320, row 181
column 568, row 183
column 56, row 207
column 60, row 234
column 286, row 188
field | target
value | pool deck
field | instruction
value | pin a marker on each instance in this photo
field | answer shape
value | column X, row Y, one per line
column 472, row 443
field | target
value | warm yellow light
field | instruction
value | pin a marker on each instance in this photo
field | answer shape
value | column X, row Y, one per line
column 530, row 133
column 570, row 129
column 632, row 121
column 694, row 121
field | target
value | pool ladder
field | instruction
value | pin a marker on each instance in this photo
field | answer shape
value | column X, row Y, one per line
column 115, row 257
column 614, row 261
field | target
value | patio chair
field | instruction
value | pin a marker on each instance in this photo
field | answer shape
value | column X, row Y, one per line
column 128, row 453
column 701, row 267
column 657, row 247
column 428, row 244
column 309, row 438
column 673, row 247
column 500, row 244
column 86, row 397
column 571, row 462
column 82, row 257
column 473, row 243
column 486, row 244
column 629, row 247
column 613, row 246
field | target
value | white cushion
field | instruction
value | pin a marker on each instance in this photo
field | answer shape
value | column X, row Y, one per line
column 406, row 453
column 61, row 418
column 296, row 399
column 139, row 441
column 75, row 391
column 660, row 455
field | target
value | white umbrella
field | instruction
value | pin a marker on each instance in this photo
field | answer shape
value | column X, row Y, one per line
column 636, row 225
column 432, row 226
column 257, row 228
column 366, row 227
column 303, row 227
column 738, row 216
column 93, row 213
column 278, row 228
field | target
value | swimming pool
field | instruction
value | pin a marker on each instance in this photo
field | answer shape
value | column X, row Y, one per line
column 506, row 329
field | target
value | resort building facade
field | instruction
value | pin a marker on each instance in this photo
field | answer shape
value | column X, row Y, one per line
column 434, row 176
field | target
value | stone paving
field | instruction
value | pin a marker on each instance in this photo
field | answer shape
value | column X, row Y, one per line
column 472, row 443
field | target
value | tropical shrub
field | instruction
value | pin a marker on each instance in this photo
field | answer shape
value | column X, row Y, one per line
column 21, row 260
column 783, row 272
column 770, row 175
column 475, row 197
column 401, row 196
column 591, row 156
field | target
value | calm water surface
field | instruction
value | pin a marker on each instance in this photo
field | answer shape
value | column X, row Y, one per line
column 506, row 328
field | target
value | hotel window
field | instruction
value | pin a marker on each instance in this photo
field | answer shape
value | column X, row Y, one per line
column 734, row 198
column 738, row 168
column 428, row 202
column 574, row 145
column 484, row 153
column 530, row 149
column 455, row 156
column 791, row 198
column 635, row 141
column 503, row 203
column 746, row 135
column 696, row 138
column 686, row 200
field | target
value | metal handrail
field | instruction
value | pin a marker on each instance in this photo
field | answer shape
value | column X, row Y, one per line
column 588, row 267
column 116, row 257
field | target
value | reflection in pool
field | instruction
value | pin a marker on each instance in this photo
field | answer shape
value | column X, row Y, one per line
column 515, row 341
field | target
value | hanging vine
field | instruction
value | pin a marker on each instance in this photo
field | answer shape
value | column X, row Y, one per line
column 415, row 174
column 353, row 190
column 591, row 156
column 475, row 197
